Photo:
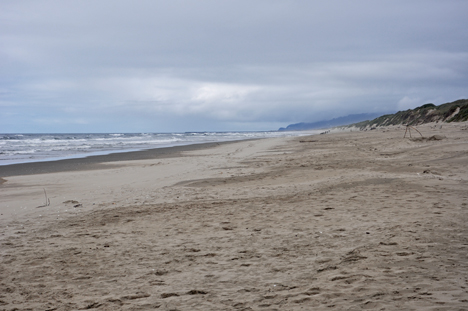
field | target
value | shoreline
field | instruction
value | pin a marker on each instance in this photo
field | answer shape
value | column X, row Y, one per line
column 94, row 162
column 29, row 150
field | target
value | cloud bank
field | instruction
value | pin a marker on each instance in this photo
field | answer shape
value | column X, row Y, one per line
column 160, row 66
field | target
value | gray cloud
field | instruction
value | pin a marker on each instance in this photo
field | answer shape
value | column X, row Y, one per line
column 223, row 65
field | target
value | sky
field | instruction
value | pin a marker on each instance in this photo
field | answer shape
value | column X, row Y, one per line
column 81, row 66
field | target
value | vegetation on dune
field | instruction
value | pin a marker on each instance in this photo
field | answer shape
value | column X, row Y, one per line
column 456, row 111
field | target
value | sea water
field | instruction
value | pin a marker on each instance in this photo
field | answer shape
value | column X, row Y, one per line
column 22, row 148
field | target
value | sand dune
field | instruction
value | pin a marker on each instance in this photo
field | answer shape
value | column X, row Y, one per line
column 342, row 221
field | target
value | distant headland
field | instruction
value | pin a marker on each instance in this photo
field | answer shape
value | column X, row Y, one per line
column 456, row 111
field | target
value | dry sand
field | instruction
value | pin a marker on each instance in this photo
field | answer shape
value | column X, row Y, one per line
column 342, row 221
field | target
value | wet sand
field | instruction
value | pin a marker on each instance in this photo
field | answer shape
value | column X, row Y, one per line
column 93, row 162
column 342, row 221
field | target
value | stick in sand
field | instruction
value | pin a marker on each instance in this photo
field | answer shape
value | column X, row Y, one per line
column 47, row 200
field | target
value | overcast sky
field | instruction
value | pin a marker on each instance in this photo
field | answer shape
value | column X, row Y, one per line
column 213, row 65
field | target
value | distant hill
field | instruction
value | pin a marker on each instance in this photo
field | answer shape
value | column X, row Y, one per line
column 352, row 118
column 456, row 111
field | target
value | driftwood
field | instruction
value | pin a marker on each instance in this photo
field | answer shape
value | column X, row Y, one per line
column 433, row 137
column 408, row 129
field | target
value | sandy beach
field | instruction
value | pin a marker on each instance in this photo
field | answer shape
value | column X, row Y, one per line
column 342, row 221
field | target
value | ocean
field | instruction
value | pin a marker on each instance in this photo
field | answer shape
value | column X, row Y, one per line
column 22, row 148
